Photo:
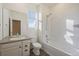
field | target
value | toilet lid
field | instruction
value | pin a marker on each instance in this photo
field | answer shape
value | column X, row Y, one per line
column 37, row 45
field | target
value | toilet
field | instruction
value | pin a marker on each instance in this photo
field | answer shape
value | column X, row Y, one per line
column 36, row 47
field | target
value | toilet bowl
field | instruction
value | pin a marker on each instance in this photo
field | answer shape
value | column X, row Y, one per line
column 36, row 48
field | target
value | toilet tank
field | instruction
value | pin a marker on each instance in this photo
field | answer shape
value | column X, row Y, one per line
column 33, row 34
column 34, row 39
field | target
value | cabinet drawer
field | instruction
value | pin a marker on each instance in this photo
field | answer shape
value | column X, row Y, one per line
column 26, row 44
column 26, row 41
column 26, row 52
column 8, row 45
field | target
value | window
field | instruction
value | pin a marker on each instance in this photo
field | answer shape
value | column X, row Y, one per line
column 69, row 33
column 40, row 21
column 32, row 22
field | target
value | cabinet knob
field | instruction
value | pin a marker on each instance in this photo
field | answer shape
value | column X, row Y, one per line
column 25, row 45
column 19, row 46
column 26, row 50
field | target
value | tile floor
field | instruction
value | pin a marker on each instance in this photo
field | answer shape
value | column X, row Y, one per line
column 42, row 53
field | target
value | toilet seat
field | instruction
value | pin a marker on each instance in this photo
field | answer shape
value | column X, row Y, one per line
column 37, row 45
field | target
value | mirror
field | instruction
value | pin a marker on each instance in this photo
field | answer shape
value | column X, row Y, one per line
column 16, row 27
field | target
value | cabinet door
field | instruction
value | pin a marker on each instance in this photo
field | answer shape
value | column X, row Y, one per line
column 0, row 23
column 12, row 49
column 5, row 22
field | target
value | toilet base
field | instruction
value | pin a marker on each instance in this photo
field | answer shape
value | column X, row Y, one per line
column 36, row 51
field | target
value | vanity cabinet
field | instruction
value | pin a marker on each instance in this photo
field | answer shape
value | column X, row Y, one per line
column 20, row 48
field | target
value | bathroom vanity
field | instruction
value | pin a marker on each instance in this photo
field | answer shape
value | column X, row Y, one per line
column 15, row 46
column 13, row 24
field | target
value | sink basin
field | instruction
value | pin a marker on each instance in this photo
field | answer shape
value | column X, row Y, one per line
column 22, row 37
column 15, row 38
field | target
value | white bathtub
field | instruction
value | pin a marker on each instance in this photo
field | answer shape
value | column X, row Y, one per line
column 53, row 51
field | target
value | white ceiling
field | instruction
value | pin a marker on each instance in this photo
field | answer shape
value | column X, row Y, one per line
column 49, row 4
column 20, row 7
column 23, row 7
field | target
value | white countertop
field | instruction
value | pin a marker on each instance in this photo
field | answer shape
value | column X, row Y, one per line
column 14, row 39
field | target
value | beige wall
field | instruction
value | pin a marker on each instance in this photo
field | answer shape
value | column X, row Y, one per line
column 23, row 18
column 19, row 11
column 0, row 21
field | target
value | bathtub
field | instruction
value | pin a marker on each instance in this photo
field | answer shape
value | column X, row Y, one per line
column 53, row 51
